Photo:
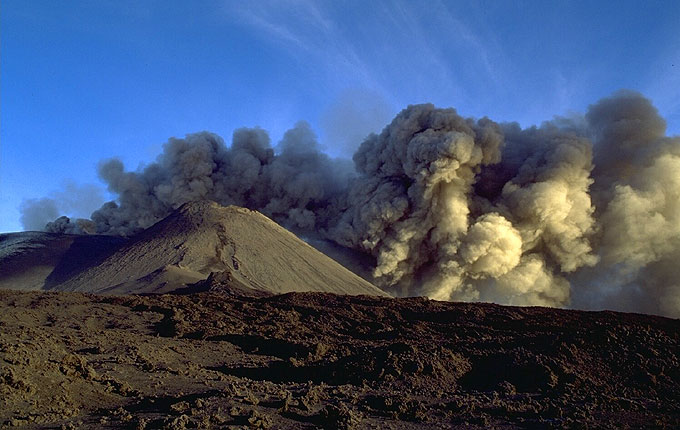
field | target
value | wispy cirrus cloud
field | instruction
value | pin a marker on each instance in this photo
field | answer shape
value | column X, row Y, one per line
column 305, row 32
column 408, row 52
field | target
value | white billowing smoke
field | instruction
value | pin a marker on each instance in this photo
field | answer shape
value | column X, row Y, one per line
column 492, row 247
column 583, row 211
column 409, row 207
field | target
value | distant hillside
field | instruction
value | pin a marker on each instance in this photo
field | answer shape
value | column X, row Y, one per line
column 242, row 247
column 36, row 260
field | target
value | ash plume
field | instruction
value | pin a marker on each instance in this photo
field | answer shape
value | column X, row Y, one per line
column 36, row 213
column 581, row 211
column 40, row 214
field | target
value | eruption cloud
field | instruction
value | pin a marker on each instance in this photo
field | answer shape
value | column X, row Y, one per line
column 582, row 211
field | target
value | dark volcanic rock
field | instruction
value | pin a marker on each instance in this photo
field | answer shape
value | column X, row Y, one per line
column 222, row 359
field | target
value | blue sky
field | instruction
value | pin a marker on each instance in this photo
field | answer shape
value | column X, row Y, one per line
column 82, row 81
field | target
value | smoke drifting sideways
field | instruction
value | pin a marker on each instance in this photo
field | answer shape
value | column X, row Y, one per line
column 581, row 211
column 74, row 198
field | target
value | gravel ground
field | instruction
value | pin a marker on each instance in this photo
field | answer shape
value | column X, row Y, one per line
column 226, row 359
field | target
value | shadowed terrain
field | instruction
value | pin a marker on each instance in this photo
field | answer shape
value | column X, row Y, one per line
column 38, row 260
column 230, row 357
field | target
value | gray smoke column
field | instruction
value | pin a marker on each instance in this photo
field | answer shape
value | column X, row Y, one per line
column 582, row 211
column 36, row 213
column 637, row 190
column 294, row 186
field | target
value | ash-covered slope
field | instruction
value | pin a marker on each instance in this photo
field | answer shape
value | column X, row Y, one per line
column 35, row 260
column 245, row 247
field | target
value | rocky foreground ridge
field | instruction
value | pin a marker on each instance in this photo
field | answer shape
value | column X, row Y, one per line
column 228, row 358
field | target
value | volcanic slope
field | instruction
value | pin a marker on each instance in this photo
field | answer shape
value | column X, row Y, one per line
column 35, row 260
column 240, row 247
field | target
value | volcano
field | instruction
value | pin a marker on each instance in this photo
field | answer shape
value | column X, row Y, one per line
column 225, row 349
column 200, row 244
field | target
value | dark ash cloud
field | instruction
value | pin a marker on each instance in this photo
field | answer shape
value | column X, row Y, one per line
column 579, row 210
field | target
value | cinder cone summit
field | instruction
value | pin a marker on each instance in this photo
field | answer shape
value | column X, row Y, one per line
column 201, row 238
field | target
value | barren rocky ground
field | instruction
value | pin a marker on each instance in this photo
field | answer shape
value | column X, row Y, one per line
column 226, row 359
